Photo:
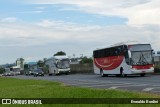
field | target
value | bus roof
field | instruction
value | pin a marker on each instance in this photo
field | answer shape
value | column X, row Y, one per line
column 58, row 57
column 61, row 57
column 126, row 43
column 15, row 67
column 121, row 44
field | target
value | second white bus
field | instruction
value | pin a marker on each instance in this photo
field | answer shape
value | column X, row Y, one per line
column 58, row 64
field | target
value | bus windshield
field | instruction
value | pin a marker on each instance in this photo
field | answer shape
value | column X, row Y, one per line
column 141, row 57
column 64, row 63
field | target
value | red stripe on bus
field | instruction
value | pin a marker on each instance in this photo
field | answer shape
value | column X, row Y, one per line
column 108, row 63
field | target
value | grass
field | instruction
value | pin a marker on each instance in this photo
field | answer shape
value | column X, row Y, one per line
column 19, row 88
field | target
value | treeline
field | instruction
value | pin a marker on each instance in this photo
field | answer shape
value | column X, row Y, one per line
column 2, row 70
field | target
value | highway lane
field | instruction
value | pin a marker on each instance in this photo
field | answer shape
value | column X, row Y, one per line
column 149, row 83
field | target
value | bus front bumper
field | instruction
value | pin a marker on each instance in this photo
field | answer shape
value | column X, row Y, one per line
column 64, row 70
column 140, row 71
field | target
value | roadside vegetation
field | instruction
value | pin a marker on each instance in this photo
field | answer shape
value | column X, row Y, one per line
column 157, row 69
column 86, row 60
column 2, row 70
column 19, row 88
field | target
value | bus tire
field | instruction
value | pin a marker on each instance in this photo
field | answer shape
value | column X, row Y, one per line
column 121, row 72
column 102, row 74
column 142, row 75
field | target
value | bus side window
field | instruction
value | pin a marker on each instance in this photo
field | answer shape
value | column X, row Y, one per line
column 106, row 52
column 116, row 52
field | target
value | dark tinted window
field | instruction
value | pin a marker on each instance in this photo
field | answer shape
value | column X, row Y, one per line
column 114, row 51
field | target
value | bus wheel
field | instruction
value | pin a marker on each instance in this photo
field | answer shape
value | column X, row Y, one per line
column 102, row 74
column 142, row 75
column 121, row 72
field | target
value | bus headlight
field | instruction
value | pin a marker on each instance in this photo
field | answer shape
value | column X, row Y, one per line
column 151, row 67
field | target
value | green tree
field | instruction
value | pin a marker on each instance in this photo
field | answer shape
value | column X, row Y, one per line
column 40, row 63
column 2, row 70
column 86, row 60
column 60, row 53
column 44, row 59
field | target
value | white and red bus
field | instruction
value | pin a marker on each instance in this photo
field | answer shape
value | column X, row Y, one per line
column 124, row 59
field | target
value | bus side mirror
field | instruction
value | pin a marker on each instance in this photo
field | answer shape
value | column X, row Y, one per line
column 129, row 54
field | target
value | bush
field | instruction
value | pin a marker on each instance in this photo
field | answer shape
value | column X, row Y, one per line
column 86, row 60
column 157, row 69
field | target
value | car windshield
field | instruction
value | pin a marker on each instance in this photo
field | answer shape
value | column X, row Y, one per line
column 141, row 58
column 64, row 63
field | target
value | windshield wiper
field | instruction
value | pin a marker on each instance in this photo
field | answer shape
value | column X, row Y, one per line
column 142, row 59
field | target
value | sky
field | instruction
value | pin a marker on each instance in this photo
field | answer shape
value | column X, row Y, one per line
column 37, row 29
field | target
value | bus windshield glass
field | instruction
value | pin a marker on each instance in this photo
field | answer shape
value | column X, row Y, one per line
column 141, row 58
column 64, row 63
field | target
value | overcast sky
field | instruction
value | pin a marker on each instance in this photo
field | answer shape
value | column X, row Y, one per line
column 37, row 29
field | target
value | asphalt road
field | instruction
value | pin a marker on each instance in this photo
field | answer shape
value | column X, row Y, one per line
column 149, row 83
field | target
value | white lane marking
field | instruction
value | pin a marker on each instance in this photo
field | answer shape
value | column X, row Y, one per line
column 112, row 87
column 148, row 89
